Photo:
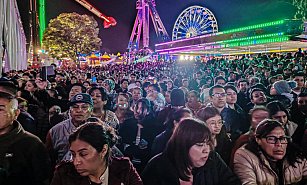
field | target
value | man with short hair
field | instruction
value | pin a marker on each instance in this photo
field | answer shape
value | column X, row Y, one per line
column 243, row 98
column 185, row 83
column 76, row 88
column 137, row 93
column 23, row 157
column 81, row 108
column 257, row 97
column 299, row 78
column 123, row 86
column 132, row 78
column 218, row 97
column 232, row 118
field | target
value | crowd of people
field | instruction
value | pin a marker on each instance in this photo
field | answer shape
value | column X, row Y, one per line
column 223, row 121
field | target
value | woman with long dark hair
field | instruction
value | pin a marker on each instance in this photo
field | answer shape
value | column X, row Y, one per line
column 188, row 159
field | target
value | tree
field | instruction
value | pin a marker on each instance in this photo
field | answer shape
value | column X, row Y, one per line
column 70, row 34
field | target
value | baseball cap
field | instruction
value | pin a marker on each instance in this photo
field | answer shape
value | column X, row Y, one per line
column 81, row 98
column 8, row 87
column 132, row 86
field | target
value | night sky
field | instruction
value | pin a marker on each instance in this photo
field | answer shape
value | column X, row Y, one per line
column 229, row 14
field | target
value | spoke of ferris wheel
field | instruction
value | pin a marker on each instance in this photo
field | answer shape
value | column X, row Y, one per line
column 180, row 33
column 194, row 17
column 185, row 26
column 182, row 21
column 191, row 17
column 202, row 20
column 198, row 17
column 185, row 20
column 185, row 29
column 204, row 26
column 207, row 23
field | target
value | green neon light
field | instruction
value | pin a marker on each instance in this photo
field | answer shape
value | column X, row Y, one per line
column 42, row 19
column 259, row 41
column 253, row 37
column 255, row 26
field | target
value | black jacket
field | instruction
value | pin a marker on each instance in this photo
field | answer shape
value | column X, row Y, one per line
column 160, row 171
column 160, row 142
column 23, row 158
column 27, row 122
column 139, row 154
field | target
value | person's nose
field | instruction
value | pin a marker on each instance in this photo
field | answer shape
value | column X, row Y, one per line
column 205, row 148
column 278, row 143
column 79, row 109
column 77, row 161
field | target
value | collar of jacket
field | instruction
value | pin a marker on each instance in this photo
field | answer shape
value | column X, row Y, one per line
column 266, row 163
column 11, row 135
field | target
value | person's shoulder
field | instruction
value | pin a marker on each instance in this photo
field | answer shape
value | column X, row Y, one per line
column 244, row 151
column 111, row 113
column 158, row 159
column 120, row 160
column 213, row 155
column 66, row 167
column 60, row 125
column 160, row 137
column 30, row 138
column 120, row 164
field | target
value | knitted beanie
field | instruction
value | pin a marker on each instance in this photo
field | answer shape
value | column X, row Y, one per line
column 281, row 87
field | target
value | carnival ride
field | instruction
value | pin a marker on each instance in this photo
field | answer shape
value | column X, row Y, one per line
column 141, row 24
column 194, row 21
column 140, row 32
column 108, row 21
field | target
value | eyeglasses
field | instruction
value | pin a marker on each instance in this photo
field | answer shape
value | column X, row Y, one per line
column 274, row 139
column 219, row 122
column 219, row 95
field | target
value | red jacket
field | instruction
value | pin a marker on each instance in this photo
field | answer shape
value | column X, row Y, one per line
column 121, row 172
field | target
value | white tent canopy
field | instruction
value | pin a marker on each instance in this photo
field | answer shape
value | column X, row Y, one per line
column 13, row 37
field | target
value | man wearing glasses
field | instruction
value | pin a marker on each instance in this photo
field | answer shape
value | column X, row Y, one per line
column 231, row 117
column 81, row 107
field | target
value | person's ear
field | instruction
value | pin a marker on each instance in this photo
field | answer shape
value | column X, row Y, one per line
column 17, row 112
column 104, row 151
column 258, row 140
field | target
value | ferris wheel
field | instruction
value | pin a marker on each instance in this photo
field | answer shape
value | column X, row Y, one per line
column 194, row 21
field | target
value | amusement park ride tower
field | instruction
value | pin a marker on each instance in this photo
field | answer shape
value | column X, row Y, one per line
column 141, row 24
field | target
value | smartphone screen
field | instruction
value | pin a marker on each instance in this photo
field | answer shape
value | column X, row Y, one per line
column 94, row 79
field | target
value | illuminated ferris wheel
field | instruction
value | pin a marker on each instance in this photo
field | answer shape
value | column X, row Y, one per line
column 194, row 21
